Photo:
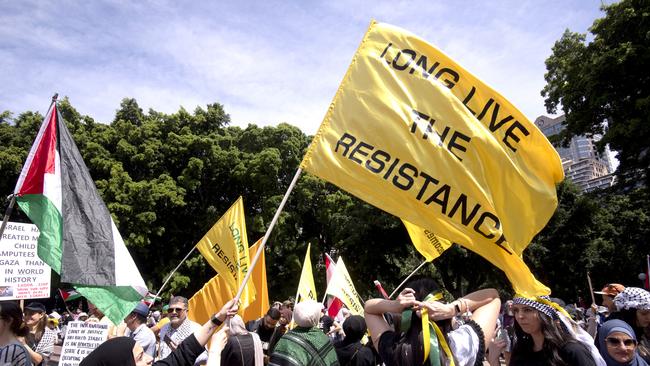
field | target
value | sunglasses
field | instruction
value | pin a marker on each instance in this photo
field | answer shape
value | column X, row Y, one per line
column 615, row 342
column 175, row 310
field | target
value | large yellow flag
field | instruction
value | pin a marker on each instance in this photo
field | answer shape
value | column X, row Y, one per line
column 306, row 288
column 216, row 293
column 341, row 286
column 522, row 280
column 415, row 134
column 225, row 247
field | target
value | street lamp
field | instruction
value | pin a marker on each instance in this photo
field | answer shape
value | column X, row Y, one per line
column 642, row 277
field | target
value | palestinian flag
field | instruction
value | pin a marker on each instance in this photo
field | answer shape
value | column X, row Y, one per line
column 69, row 295
column 78, row 238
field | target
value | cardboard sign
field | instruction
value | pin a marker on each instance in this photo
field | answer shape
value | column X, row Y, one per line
column 81, row 339
column 23, row 275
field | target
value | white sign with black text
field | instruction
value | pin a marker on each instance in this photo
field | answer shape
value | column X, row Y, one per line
column 22, row 274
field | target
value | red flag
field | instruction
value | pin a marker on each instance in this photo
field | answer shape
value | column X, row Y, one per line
column 334, row 304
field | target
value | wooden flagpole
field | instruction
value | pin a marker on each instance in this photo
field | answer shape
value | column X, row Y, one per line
column 591, row 289
column 10, row 208
column 268, row 233
column 406, row 279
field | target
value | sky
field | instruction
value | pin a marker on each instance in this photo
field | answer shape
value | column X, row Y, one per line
column 266, row 62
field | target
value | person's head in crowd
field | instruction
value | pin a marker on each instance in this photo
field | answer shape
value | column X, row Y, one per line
column 538, row 327
column 400, row 341
column 608, row 293
column 287, row 304
column 118, row 351
column 156, row 315
column 285, row 316
column 35, row 318
column 94, row 311
column 82, row 316
column 137, row 316
column 52, row 323
column 508, row 308
column 354, row 328
column 271, row 318
column 165, row 311
column 11, row 321
column 177, row 311
column 633, row 306
column 618, row 344
column 307, row 314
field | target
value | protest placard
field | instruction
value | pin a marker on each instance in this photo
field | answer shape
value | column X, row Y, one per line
column 23, row 274
column 81, row 339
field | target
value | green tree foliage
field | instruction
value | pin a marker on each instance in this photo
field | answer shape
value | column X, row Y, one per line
column 607, row 79
column 605, row 233
column 167, row 178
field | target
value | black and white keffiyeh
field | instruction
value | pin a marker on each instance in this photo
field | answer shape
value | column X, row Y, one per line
column 633, row 298
column 543, row 308
column 545, row 305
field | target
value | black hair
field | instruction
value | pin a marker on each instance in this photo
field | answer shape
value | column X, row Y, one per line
column 410, row 347
column 274, row 313
column 141, row 318
column 11, row 313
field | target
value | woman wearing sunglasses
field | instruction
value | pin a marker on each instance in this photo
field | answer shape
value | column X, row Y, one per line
column 633, row 306
column 618, row 344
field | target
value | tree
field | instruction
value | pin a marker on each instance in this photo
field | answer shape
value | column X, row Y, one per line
column 603, row 86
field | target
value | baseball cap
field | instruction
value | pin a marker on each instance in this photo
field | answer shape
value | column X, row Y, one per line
column 611, row 289
column 141, row 309
column 35, row 306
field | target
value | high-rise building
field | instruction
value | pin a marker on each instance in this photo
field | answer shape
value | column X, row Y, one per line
column 582, row 162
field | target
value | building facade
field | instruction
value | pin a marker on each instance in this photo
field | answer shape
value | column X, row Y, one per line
column 582, row 163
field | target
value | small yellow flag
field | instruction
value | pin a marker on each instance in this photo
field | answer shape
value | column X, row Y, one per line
column 341, row 286
column 225, row 247
column 523, row 281
column 306, row 287
column 215, row 293
column 427, row 243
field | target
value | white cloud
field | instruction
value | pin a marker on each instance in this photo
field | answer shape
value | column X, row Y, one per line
column 266, row 61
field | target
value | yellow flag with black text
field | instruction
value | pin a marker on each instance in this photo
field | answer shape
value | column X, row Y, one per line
column 306, row 287
column 522, row 279
column 341, row 286
column 225, row 247
column 415, row 134
column 216, row 292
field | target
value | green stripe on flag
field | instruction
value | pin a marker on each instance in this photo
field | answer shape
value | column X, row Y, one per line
column 47, row 218
column 116, row 302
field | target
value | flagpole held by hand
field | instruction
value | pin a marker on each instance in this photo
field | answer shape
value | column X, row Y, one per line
column 268, row 233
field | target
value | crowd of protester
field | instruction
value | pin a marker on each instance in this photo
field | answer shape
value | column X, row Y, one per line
column 416, row 328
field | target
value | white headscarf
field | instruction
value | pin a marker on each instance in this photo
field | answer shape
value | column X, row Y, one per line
column 306, row 314
column 237, row 327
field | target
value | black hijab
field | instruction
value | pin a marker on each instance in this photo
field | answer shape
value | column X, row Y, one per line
column 114, row 352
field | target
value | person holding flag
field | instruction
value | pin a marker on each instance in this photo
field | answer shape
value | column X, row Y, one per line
column 426, row 334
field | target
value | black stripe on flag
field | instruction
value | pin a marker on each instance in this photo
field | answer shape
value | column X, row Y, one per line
column 88, row 250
